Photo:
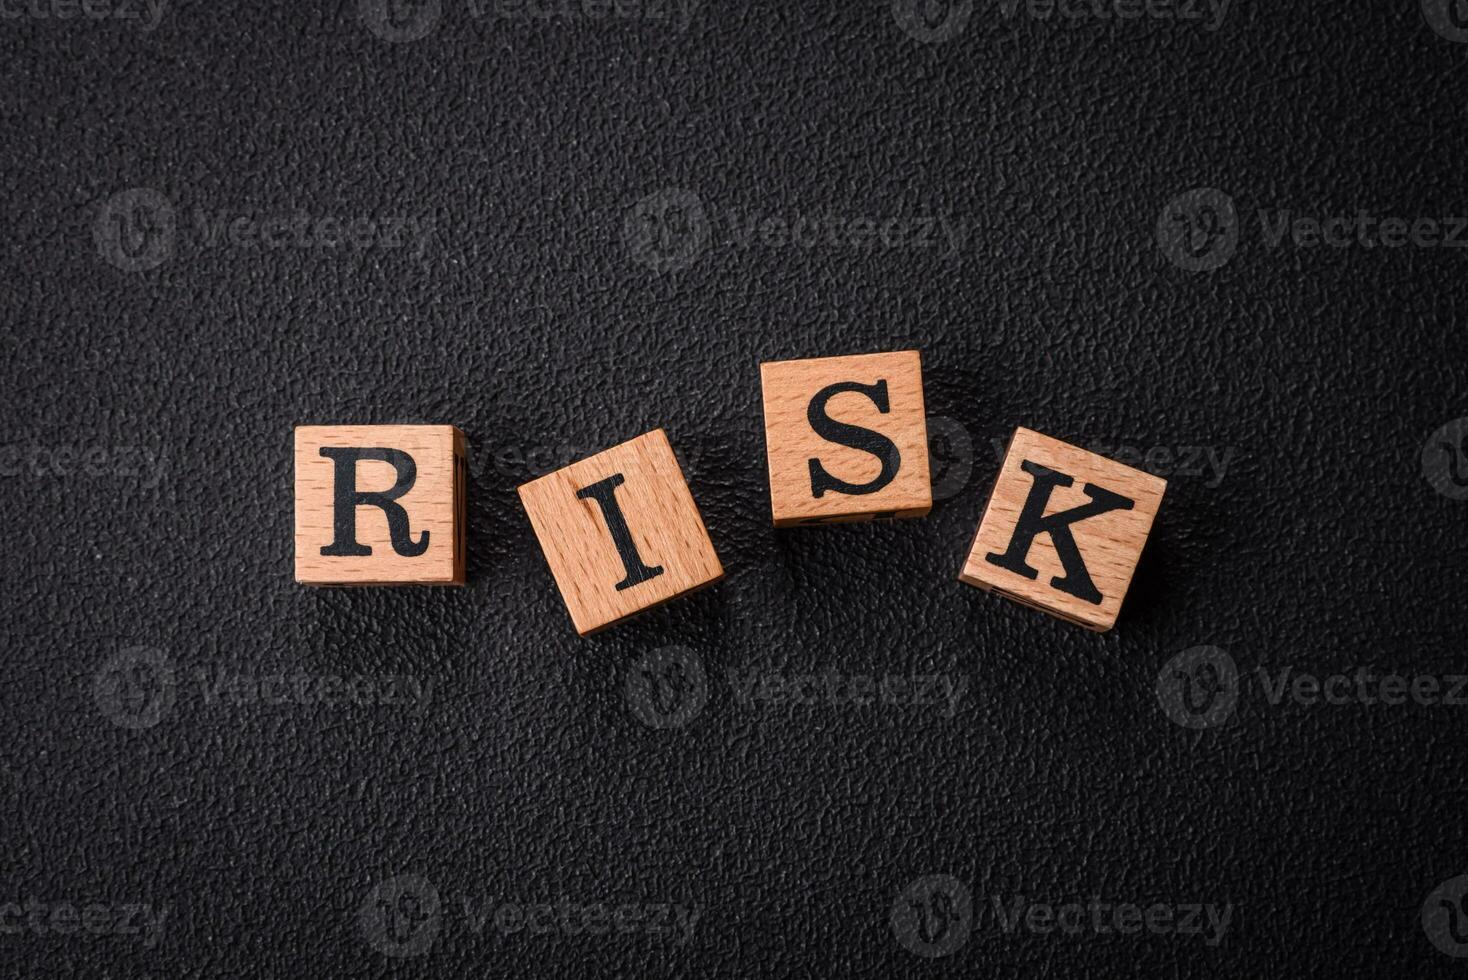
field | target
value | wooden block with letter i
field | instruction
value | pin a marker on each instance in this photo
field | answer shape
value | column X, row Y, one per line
column 621, row 532
column 846, row 438
column 1063, row 530
column 380, row 504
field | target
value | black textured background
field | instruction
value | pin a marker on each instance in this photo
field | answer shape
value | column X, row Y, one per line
column 528, row 321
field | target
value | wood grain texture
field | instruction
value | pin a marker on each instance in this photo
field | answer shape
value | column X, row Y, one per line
column 791, row 443
column 435, row 503
column 660, row 515
column 1109, row 543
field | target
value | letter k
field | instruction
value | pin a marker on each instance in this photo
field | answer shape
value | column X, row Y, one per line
column 1032, row 522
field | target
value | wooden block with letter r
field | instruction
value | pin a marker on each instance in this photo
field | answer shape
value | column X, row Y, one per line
column 380, row 504
column 1063, row 530
column 846, row 438
column 621, row 532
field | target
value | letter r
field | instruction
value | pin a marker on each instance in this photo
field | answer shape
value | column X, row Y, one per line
column 346, row 498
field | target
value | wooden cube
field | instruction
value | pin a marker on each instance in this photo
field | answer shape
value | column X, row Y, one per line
column 846, row 438
column 621, row 532
column 1063, row 530
column 380, row 504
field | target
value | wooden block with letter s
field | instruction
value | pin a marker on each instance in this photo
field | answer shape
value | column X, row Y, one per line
column 1063, row 530
column 846, row 438
column 380, row 504
column 621, row 532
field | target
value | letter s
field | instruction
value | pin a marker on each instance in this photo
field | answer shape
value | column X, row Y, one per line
column 855, row 436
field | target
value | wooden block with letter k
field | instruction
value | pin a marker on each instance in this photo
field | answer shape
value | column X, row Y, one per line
column 846, row 438
column 1063, row 530
column 621, row 532
column 380, row 504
